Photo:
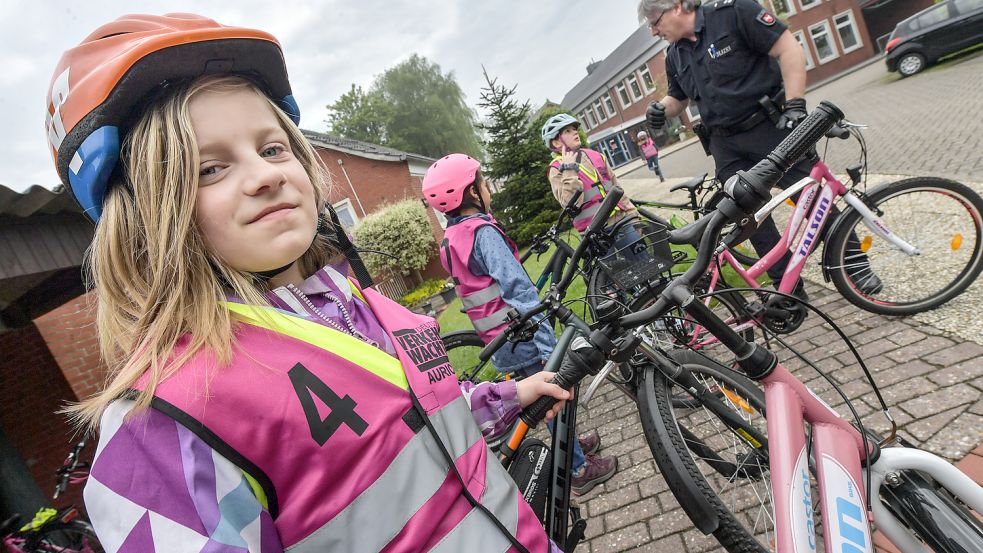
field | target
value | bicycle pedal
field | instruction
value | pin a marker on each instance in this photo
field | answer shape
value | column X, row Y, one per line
column 754, row 308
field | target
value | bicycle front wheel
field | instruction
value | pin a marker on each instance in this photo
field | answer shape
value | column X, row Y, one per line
column 462, row 350
column 730, row 471
column 941, row 218
column 73, row 537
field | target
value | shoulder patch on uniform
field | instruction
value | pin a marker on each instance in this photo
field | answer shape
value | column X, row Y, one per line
column 765, row 18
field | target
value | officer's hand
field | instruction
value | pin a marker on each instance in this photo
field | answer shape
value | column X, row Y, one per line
column 531, row 388
column 794, row 113
column 655, row 116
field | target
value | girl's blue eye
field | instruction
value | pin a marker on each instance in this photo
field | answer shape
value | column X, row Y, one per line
column 272, row 151
column 206, row 171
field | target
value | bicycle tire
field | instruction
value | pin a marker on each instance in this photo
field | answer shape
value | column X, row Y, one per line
column 462, row 350
column 703, row 456
column 72, row 537
column 943, row 218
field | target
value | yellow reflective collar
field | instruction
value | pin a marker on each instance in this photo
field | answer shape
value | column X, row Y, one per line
column 343, row 345
column 588, row 170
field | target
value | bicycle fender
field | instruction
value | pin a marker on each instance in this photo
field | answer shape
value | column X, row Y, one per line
column 696, row 507
column 833, row 229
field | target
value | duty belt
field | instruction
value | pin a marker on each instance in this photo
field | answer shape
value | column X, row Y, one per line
column 747, row 124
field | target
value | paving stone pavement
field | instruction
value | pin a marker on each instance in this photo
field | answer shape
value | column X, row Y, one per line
column 931, row 379
column 929, row 368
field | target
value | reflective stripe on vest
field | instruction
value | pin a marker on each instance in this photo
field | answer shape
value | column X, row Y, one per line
column 481, row 297
column 374, row 518
column 480, row 294
column 376, row 480
column 485, row 324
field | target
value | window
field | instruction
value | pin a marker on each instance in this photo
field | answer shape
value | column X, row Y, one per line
column 933, row 17
column 346, row 214
column 647, row 83
column 601, row 116
column 590, row 117
column 609, row 104
column 802, row 42
column 636, row 92
column 806, row 4
column 822, row 39
column 582, row 117
column 847, row 29
column 623, row 95
column 783, row 8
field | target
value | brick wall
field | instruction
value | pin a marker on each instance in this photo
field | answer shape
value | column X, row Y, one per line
column 32, row 388
column 70, row 333
column 375, row 183
column 826, row 11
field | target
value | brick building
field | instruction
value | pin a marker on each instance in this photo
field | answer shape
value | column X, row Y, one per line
column 610, row 101
column 49, row 352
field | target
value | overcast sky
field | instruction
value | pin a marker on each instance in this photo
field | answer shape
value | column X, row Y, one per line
column 542, row 46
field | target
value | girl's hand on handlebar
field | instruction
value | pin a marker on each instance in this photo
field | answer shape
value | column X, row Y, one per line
column 531, row 388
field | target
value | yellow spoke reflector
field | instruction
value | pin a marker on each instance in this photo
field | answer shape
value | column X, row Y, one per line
column 790, row 202
column 750, row 439
column 957, row 242
column 866, row 242
column 738, row 400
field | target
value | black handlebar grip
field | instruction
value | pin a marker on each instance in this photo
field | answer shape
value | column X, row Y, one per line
column 490, row 348
column 537, row 410
column 614, row 195
column 806, row 135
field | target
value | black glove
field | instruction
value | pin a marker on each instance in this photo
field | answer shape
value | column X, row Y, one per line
column 655, row 116
column 793, row 114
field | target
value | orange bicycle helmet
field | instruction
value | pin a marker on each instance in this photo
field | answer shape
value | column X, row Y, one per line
column 99, row 86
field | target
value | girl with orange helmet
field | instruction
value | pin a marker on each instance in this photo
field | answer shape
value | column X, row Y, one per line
column 257, row 399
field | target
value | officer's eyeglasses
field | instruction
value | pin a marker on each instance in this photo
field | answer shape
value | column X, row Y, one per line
column 654, row 24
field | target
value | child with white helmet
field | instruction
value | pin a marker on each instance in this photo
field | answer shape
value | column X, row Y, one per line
column 484, row 264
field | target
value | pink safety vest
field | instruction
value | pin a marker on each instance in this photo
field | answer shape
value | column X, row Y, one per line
column 480, row 294
column 649, row 149
column 594, row 178
column 340, row 436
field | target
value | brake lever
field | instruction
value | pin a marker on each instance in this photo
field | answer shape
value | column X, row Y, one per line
column 597, row 381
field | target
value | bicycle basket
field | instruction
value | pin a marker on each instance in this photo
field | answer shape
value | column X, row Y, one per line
column 641, row 261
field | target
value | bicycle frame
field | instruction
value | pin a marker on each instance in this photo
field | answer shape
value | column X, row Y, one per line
column 820, row 192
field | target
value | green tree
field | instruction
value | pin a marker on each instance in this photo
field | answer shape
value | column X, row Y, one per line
column 402, row 230
column 517, row 156
column 412, row 106
column 358, row 115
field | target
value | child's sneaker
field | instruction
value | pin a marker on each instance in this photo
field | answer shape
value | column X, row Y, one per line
column 590, row 443
column 596, row 470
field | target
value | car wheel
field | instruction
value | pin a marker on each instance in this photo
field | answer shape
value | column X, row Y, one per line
column 911, row 63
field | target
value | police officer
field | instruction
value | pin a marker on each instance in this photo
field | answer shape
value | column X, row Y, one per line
column 726, row 56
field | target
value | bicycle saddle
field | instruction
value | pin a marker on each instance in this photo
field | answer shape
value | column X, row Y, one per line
column 690, row 184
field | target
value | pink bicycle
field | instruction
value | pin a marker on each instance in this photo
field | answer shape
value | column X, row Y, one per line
column 899, row 249
column 757, row 484
column 51, row 530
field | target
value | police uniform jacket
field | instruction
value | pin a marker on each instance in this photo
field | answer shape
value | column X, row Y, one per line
column 727, row 69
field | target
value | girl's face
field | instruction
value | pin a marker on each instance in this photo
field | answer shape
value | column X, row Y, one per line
column 569, row 138
column 485, row 193
column 255, row 204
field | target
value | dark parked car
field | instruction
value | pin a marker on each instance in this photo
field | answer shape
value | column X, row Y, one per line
column 934, row 32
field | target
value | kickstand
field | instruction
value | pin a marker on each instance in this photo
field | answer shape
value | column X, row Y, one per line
column 577, row 528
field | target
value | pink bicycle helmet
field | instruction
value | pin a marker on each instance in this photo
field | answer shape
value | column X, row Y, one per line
column 447, row 179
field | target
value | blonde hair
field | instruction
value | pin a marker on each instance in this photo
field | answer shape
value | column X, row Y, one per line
column 155, row 280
